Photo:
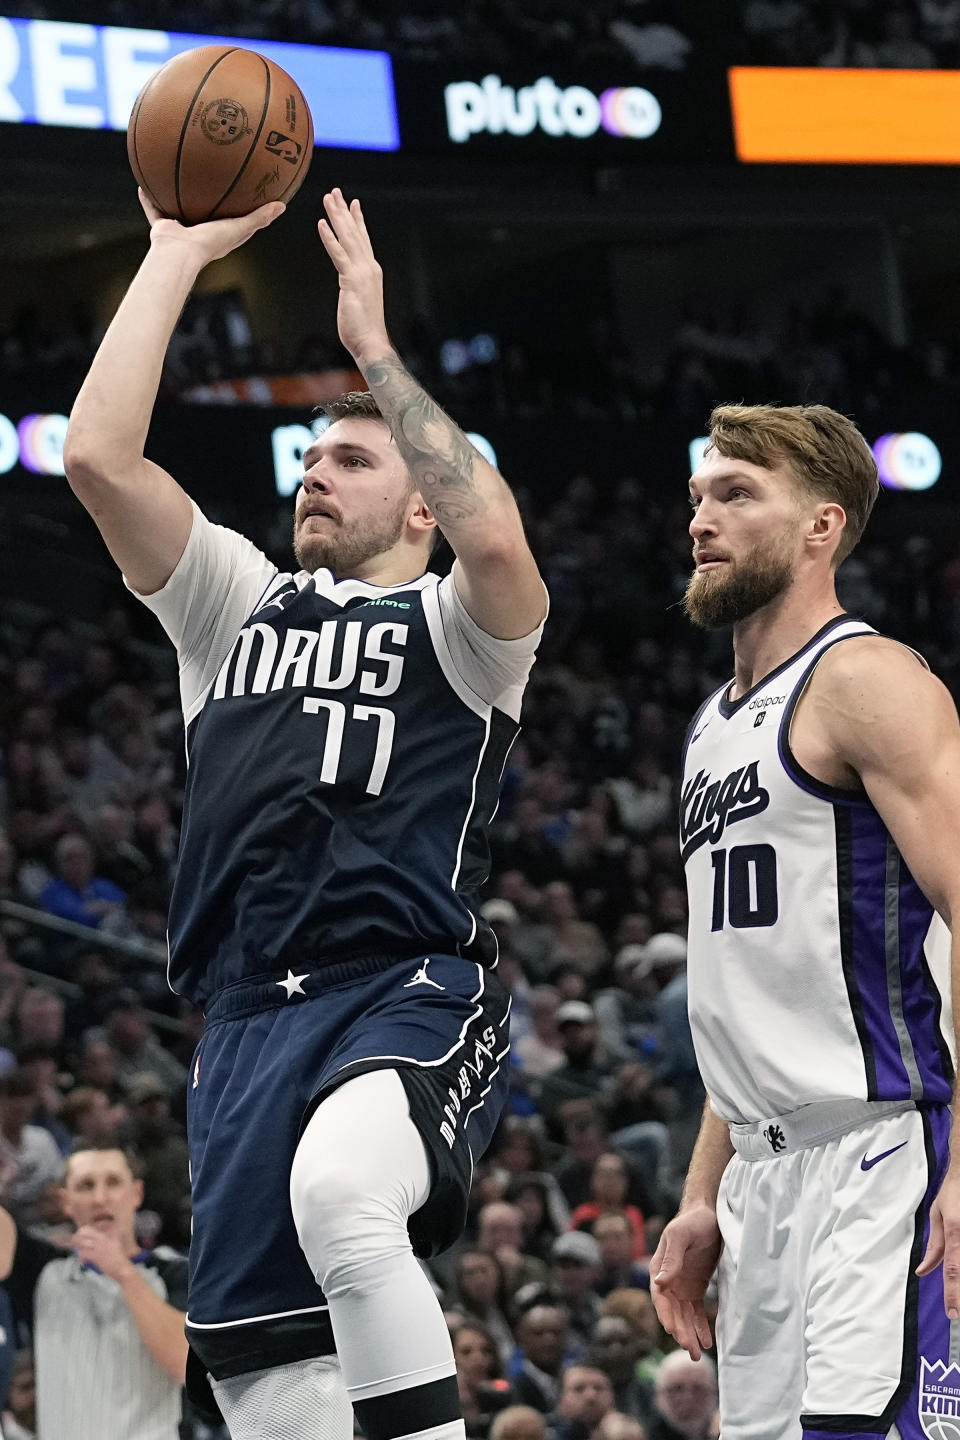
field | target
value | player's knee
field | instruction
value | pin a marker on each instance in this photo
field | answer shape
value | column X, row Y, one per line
column 347, row 1226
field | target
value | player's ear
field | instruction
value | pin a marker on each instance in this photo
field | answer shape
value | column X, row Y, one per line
column 826, row 525
column 421, row 517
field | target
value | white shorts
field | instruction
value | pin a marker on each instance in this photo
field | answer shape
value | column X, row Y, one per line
column 823, row 1324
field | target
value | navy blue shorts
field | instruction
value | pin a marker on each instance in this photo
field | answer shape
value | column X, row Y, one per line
column 264, row 1063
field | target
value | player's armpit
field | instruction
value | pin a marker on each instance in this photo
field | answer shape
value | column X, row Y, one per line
column 896, row 726
column 145, row 519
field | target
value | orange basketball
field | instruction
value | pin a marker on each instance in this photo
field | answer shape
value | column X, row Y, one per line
column 218, row 131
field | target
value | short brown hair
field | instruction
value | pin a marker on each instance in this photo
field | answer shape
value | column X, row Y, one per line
column 352, row 405
column 824, row 449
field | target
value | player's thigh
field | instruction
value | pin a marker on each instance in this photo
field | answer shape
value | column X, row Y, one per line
column 303, row 1401
column 759, row 1324
column 871, row 1324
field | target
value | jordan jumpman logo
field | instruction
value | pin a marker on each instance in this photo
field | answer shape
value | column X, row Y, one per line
column 421, row 978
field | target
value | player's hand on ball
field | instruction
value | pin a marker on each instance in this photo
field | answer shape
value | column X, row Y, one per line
column 360, row 317
column 680, row 1271
column 212, row 239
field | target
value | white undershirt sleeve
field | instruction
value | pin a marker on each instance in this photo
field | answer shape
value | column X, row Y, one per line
column 495, row 670
column 214, row 588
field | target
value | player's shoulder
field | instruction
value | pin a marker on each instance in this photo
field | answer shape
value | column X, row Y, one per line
column 870, row 673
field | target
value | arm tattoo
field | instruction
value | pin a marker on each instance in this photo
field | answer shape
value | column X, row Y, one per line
column 438, row 454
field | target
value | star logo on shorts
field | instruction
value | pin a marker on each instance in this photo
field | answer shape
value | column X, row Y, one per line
column 293, row 984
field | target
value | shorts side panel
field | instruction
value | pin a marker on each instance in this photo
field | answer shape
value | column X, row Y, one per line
column 872, row 1324
column 759, row 1324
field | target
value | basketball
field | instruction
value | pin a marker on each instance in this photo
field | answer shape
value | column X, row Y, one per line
column 217, row 132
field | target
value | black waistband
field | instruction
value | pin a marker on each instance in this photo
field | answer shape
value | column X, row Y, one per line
column 292, row 986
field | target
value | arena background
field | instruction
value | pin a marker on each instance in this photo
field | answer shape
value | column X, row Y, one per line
column 661, row 234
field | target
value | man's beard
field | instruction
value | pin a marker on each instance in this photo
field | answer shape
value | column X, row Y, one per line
column 349, row 547
column 715, row 598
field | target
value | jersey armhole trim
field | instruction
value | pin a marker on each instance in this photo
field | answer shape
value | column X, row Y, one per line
column 836, row 794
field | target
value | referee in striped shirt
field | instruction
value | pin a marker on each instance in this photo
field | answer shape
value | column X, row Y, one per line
column 108, row 1319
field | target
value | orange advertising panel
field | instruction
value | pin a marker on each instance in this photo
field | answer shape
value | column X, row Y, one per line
column 846, row 117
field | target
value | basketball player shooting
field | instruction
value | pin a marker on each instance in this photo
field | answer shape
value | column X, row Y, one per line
column 347, row 725
column 820, row 829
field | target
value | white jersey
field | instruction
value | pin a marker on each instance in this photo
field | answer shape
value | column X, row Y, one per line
column 817, row 968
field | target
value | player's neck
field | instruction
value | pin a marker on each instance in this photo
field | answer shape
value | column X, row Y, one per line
column 771, row 635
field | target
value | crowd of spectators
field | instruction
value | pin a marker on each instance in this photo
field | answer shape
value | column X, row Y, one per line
column 646, row 34
column 548, row 1293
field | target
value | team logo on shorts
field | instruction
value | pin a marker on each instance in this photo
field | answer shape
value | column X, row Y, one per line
column 939, row 1403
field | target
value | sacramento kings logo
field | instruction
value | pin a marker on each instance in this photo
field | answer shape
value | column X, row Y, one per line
column 939, row 1404
column 224, row 121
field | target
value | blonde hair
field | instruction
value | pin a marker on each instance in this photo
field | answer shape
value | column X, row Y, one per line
column 825, row 451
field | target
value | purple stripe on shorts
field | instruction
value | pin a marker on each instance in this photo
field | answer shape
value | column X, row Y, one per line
column 931, row 1328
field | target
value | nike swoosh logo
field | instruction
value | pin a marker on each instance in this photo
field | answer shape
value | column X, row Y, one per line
column 866, row 1164
column 698, row 733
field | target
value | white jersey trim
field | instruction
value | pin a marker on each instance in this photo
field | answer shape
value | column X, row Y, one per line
column 255, row 1319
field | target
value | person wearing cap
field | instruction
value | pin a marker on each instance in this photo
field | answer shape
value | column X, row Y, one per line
column 583, row 1075
column 575, row 1270
column 107, row 1321
column 626, row 1010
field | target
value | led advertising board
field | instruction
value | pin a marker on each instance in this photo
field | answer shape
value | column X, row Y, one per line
column 87, row 76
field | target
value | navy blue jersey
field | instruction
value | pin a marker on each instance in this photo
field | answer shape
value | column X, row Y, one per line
column 345, row 745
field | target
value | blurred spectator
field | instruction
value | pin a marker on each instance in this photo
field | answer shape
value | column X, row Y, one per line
column 575, row 942
column 545, row 1212
column 584, row 1074
column 95, row 974
column 617, row 1426
column 586, row 1396
column 137, row 1049
column 574, row 1273
column 518, row 1422
column 614, row 1348
column 28, row 1154
column 609, row 1185
column 76, row 893
column 684, row 1398
column 161, row 1147
column 480, row 1291
column 478, row 1371
column 19, row 1418
column 500, row 1233
column 90, row 1117
column 543, row 1339
column 614, row 1232
column 636, row 1307
column 540, row 1051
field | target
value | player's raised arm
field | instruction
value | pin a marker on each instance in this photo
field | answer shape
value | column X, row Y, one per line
column 895, row 725
column 141, row 511
column 495, row 574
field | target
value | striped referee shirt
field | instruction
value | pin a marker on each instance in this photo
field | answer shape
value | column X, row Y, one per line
column 96, row 1379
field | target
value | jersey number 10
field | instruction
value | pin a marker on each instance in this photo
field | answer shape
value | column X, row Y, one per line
column 744, row 887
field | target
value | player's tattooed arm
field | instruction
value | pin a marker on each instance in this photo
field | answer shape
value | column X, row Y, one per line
column 439, row 456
